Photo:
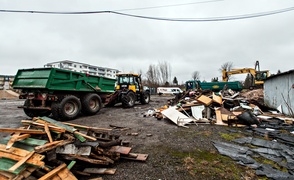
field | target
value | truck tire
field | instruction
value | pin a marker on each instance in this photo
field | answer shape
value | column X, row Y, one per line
column 145, row 98
column 34, row 112
column 128, row 100
column 91, row 104
column 67, row 109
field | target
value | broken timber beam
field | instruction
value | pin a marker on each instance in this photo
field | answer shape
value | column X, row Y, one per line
column 89, row 160
column 25, row 131
column 42, row 125
column 16, row 137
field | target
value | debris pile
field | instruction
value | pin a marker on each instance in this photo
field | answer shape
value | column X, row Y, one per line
column 48, row 149
column 271, row 156
column 227, row 108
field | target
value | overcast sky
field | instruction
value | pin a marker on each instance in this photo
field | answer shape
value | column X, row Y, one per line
column 30, row 40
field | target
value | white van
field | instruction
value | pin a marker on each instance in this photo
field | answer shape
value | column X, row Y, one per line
column 168, row 90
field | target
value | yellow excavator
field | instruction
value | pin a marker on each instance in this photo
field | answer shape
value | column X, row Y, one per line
column 258, row 75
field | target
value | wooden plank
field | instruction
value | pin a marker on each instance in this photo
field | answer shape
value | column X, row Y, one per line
column 65, row 174
column 59, row 124
column 21, row 162
column 48, row 132
column 13, row 150
column 25, row 131
column 85, row 136
column 104, row 158
column 38, row 124
column 11, row 142
column 16, row 137
column 35, row 160
column 53, row 172
column 82, row 127
column 54, row 144
column 89, row 160
column 217, row 99
column 205, row 100
column 100, row 170
column 48, row 146
column 136, row 157
column 120, row 149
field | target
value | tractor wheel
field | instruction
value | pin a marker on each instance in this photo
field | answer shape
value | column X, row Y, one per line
column 145, row 98
column 67, row 109
column 128, row 100
column 91, row 104
column 34, row 112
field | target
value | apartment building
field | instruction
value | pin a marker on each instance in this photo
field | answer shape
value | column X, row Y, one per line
column 84, row 68
column 6, row 81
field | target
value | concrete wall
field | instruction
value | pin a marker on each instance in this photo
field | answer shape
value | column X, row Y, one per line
column 279, row 90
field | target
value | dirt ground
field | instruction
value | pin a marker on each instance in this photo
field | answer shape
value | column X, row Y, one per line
column 174, row 152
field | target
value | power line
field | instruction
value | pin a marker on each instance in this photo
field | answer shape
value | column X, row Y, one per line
column 225, row 18
column 172, row 5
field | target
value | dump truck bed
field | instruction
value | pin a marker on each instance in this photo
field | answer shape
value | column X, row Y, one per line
column 217, row 86
column 54, row 79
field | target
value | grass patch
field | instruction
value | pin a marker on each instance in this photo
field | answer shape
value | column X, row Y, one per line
column 211, row 165
column 272, row 163
column 230, row 136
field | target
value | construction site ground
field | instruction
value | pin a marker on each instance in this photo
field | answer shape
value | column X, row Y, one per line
column 174, row 152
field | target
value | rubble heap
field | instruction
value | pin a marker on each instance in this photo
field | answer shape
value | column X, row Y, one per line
column 47, row 149
column 227, row 108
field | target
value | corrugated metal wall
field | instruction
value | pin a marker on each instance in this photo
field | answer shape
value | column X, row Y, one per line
column 279, row 90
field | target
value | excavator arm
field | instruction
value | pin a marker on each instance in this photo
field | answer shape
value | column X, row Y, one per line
column 226, row 74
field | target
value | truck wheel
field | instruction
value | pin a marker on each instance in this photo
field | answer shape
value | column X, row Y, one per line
column 34, row 112
column 67, row 109
column 145, row 98
column 91, row 104
column 128, row 100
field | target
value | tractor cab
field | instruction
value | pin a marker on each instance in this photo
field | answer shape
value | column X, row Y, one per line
column 126, row 82
column 128, row 90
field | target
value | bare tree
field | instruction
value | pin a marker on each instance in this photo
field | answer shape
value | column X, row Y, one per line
column 152, row 75
column 226, row 66
column 165, row 72
column 196, row 75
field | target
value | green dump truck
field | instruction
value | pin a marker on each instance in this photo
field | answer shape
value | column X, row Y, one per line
column 61, row 92
column 214, row 86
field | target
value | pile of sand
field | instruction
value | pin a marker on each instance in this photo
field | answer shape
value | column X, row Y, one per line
column 8, row 94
